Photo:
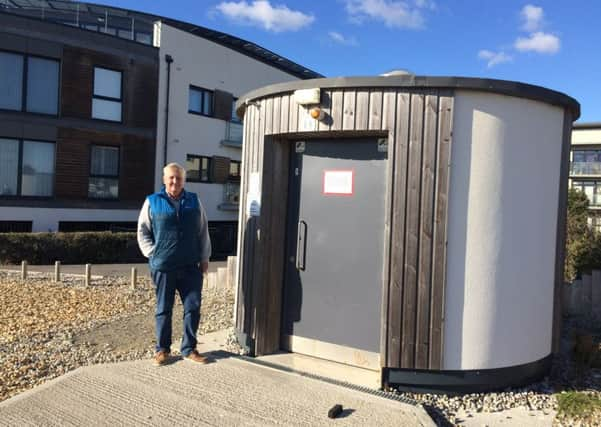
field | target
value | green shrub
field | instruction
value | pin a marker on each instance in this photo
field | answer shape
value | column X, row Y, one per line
column 583, row 245
column 69, row 248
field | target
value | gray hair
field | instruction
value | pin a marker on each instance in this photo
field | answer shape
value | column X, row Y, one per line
column 177, row 166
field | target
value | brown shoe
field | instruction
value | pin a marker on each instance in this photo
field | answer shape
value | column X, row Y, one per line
column 161, row 358
column 195, row 356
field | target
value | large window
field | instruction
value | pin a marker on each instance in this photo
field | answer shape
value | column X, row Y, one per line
column 35, row 175
column 200, row 101
column 592, row 189
column 104, row 173
column 198, row 168
column 39, row 94
column 586, row 162
column 107, row 98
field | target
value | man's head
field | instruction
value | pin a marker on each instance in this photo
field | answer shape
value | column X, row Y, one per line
column 174, row 177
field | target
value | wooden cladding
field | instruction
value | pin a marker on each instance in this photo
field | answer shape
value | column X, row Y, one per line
column 417, row 124
column 136, row 163
column 220, row 169
column 139, row 88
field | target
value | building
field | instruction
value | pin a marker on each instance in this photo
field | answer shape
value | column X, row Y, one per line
column 94, row 100
column 585, row 167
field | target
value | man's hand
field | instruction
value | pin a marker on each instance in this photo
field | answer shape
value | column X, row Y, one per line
column 204, row 266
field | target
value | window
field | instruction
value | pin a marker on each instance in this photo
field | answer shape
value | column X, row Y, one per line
column 107, row 98
column 198, row 168
column 39, row 94
column 200, row 101
column 235, row 118
column 586, row 162
column 35, row 176
column 592, row 189
column 104, row 173
column 235, row 168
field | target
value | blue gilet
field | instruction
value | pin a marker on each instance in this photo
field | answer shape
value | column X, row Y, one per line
column 176, row 235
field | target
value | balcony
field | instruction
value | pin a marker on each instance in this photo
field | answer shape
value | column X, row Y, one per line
column 585, row 168
column 233, row 135
column 231, row 197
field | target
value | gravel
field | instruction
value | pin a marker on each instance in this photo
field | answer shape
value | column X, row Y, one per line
column 48, row 329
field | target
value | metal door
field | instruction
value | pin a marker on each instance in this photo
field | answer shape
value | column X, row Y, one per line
column 335, row 245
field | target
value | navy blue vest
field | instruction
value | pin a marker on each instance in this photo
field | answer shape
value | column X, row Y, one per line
column 176, row 236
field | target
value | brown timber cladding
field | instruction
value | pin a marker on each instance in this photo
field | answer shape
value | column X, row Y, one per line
column 418, row 126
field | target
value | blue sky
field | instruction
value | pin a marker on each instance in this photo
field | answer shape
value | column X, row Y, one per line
column 555, row 44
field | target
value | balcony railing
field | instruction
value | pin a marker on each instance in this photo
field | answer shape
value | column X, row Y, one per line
column 585, row 168
column 231, row 197
column 233, row 134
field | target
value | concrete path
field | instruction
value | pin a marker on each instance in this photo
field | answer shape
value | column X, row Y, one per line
column 230, row 391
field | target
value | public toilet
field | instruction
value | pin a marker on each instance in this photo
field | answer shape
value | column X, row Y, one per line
column 409, row 225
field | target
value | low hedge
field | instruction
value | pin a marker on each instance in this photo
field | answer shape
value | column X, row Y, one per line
column 70, row 248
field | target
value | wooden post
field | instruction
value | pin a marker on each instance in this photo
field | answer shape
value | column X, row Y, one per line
column 23, row 270
column 88, row 274
column 134, row 278
column 57, row 271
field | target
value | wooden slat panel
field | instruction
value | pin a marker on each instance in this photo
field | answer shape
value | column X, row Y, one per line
column 439, row 232
column 276, row 115
column 375, row 110
column 388, row 124
column 337, row 109
column 285, row 113
column 293, row 127
column 445, row 112
column 269, row 116
column 362, row 110
column 326, row 107
column 424, row 275
column 408, row 336
column 348, row 114
column 397, row 249
column 561, row 230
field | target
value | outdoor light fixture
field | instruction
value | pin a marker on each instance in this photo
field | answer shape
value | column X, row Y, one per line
column 316, row 113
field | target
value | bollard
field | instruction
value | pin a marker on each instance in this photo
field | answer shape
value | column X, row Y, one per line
column 57, row 271
column 23, row 270
column 88, row 274
column 134, row 278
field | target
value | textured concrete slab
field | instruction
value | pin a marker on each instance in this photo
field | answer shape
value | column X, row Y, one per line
column 229, row 391
column 516, row 417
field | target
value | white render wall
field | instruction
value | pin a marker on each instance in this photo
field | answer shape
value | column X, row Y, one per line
column 46, row 219
column 586, row 137
column 502, row 219
column 202, row 63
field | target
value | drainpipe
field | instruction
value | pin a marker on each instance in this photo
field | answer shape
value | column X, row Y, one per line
column 168, row 60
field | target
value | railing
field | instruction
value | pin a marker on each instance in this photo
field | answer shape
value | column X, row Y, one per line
column 233, row 134
column 97, row 18
column 231, row 197
column 585, row 168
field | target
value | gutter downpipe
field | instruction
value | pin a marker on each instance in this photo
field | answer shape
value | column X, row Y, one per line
column 168, row 60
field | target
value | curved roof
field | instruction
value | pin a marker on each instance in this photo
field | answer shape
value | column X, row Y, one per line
column 504, row 87
column 88, row 15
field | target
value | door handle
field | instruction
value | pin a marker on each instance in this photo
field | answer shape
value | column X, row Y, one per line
column 301, row 245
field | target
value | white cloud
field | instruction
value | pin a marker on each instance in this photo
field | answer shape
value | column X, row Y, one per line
column 532, row 17
column 262, row 14
column 494, row 58
column 538, row 42
column 394, row 14
column 425, row 4
column 339, row 38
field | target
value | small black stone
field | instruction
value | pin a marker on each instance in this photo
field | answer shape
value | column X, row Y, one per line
column 335, row 411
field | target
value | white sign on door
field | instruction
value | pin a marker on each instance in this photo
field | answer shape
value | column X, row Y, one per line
column 338, row 182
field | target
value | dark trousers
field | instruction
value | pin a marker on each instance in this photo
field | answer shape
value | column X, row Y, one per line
column 188, row 283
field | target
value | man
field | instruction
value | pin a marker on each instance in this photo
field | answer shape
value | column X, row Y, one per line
column 173, row 233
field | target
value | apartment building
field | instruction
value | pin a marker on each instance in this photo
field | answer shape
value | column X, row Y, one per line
column 94, row 100
column 585, row 167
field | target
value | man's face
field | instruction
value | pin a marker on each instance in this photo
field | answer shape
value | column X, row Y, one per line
column 174, row 182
